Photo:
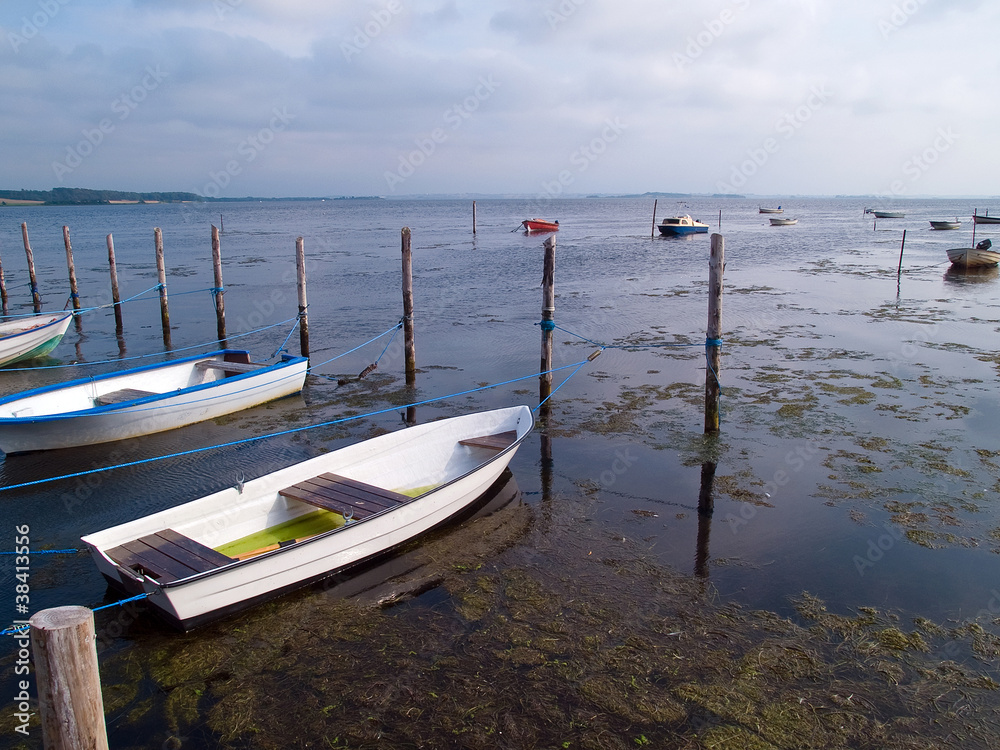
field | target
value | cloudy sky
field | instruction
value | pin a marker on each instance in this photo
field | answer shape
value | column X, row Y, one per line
column 399, row 97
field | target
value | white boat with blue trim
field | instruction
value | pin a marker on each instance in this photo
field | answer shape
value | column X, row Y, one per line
column 34, row 336
column 143, row 400
column 245, row 544
column 682, row 225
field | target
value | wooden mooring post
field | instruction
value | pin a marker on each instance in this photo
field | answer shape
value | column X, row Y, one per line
column 902, row 244
column 473, row 217
column 116, row 299
column 219, row 290
column 74, row 292
column 3, row 290
column 36, row 298
column 161, row 277
column 713, row 336
column 64, row 644
column 548, row 321
column 652, row 232
column 409, row 346
column 300, row 280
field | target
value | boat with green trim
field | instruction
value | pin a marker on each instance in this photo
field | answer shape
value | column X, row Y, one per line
column 31, row 337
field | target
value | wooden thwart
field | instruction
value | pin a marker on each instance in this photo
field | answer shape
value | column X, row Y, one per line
column 168, row 556
column 497, row 442
column 345, row 496
column 214, row 364
column 121, row 396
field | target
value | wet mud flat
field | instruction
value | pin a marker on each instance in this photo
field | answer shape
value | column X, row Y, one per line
column 536, row 627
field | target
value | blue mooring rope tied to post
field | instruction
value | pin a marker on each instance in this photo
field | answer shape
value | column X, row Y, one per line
column 18, row 629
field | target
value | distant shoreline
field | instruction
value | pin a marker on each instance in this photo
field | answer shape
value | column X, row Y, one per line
column 88, row 197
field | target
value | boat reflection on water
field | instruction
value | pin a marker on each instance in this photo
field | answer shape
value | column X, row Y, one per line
column 961, row 275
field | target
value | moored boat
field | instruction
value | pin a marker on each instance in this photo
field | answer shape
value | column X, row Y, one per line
column 143, row 400
column 783, row 222
column 540, row 225
column 978, row 218
column 681, row 225
column 981, row 256
column 777, row 210
column 889, row 214
column 245, row 544
column 34, row 336
column 946, row 224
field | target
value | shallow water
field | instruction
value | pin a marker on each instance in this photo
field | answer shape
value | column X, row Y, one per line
column 857, row 458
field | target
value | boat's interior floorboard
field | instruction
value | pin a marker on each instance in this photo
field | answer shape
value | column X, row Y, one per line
column 121, row 396
column 229, row 367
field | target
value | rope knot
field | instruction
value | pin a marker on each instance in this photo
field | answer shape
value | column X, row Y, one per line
column 548, row 325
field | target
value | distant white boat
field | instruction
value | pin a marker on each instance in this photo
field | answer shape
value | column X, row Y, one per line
column 31, row 337
column 225, row 551
column 777, row 210
column 783, row 222
column 143, row 400
column 889, row 214
column 946, row 224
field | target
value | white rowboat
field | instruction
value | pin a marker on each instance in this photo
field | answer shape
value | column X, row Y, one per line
column 34, row 336
column 245, row 544
column 783, row 222
column 143, row 400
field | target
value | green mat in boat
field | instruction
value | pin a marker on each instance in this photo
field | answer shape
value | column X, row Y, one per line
column 300, row 527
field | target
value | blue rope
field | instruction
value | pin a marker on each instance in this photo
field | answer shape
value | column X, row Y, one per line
column 360, row 346
column 581, row 364
column 291, row 431
column 547, row 325
column 281, row 348
column 47, row 552
column 216, row 291
column 21, row 628
column 713, row 342
column 391, row 339
column 622, row 346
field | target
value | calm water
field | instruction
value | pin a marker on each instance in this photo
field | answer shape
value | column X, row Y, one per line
column 858, row 454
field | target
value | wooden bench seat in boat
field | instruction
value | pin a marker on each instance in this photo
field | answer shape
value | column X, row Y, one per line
column 497, row 442
column 237, row 367
column 121, row 396
column 344, row 496
column 167, row 556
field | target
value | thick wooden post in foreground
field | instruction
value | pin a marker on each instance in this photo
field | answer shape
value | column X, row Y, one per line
column 548, row 318
column 713, row 336
column 115, row 296
column 300, row 277
column 64, row 645
column 220, row 305
column 161, row 277
column 36, row 298
column 74, row 293
column 409, row 347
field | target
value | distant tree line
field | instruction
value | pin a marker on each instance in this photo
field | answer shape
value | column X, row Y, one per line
column 80, row 196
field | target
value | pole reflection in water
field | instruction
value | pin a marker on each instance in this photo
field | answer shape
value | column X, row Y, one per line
column 706, row 506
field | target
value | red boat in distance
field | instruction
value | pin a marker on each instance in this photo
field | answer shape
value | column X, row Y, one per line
column 540, row 225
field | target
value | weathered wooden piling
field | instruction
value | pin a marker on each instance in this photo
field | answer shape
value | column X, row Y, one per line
column 64, row 644
column 652, row 232
column 36, row 298
column 74, row 292
column 3, row 290
column 219, row 291
column 161, row 277
column 116, row 299
column 706, row 507
column 409, row 347
column 300, row 277
column 473, row 217
column 902, row 244
column 548, row 320
column 713, row 336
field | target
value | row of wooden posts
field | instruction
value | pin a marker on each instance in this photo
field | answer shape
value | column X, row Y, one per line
column 63, row 639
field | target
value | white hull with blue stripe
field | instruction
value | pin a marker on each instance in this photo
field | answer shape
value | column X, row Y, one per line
column 143, row 400
column 35, row 336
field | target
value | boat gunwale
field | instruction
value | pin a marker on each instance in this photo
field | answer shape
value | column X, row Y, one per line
column 287, row 360
column 146, row 580
column 57, row 318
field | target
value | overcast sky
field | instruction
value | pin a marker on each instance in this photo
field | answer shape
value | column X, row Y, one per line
column 397, row 97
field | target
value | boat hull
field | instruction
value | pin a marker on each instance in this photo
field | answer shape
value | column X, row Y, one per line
column 986, row 219
column 28, row 338
column 889, row 214
column 973, row 257
column 178, row 393
column 945, row 224
column 679, row 231
column 540, row 225
column 770, row 210
column 783, row 222
column 413, row 456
